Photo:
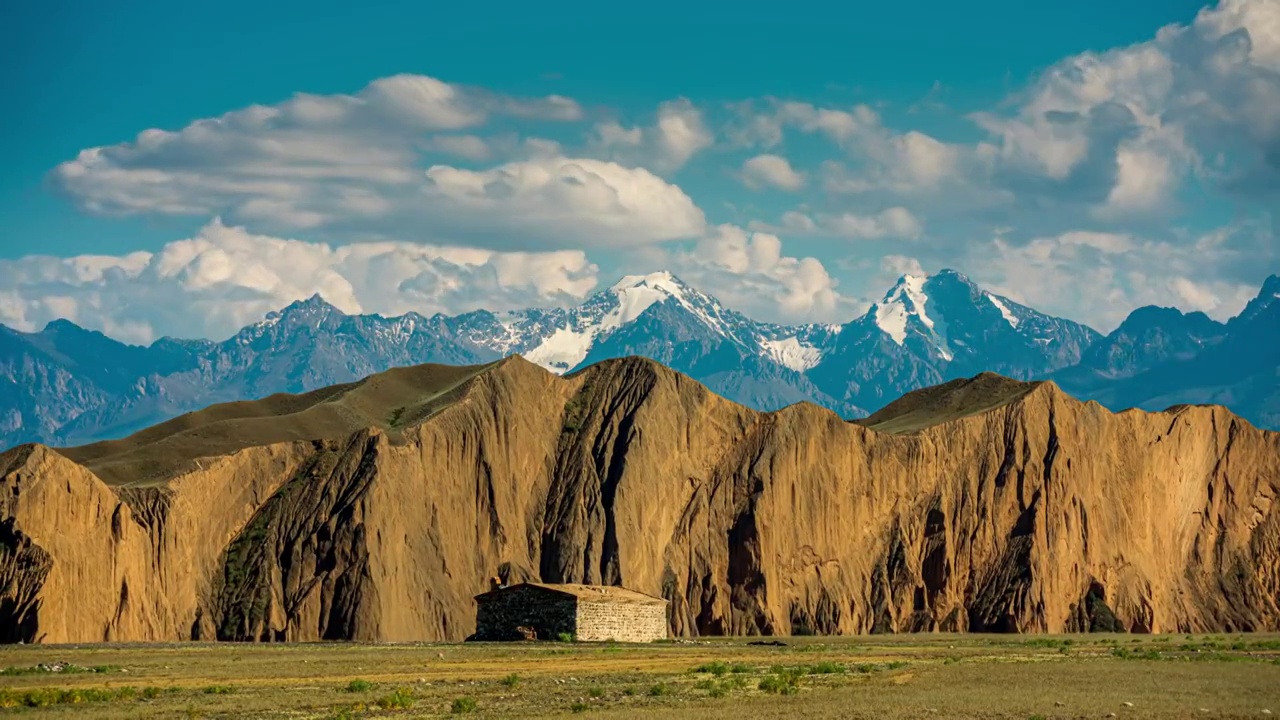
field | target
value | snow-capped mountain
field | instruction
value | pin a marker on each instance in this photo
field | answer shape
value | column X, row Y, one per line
column 661, row 317
column 562, row 339
column 933, row 328
column 67, row 385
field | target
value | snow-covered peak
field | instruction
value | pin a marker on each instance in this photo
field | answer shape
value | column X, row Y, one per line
column 566, row 341
column 661, row 280
column 636, row 293
column 906, row 299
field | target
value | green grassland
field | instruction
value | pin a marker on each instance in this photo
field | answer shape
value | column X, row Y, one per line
column 913, row 676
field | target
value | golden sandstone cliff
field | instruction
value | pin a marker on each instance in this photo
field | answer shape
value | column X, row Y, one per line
column 375, row 511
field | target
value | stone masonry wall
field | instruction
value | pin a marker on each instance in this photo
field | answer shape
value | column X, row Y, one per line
column 547, row 613
column 621, row 621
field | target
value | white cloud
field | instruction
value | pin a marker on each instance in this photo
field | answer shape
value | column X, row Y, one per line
column 560, row 201
column 1125, row 127
column 1143, row 179
column 677, row 134
column 225, row 277
column 895, row 222
column 1099, row 277
column 757, row 127
column 906, row 162
column 749, row 272
column 771, row 171
column 895, row 266
column 1110, row 141
column 469, row 147
column 350, row 165
column 1113, row 133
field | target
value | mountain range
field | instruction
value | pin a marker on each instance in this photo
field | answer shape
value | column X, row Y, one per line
column 376, row 510
column 66, row 385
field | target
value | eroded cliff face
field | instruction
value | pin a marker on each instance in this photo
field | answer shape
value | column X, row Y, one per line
column 1040, row 514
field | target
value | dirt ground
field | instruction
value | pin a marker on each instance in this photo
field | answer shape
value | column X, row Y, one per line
column 923, row 676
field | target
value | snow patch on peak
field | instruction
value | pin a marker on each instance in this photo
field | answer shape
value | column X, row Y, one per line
column 892, row 319
column 562, row 350
column 1005, row 312
column 661, row 280
column 907, row 298
column 632, row 301
column 791, row 353
column 576, row 330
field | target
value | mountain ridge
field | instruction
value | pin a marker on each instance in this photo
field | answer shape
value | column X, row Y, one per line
column 1027, row 515
column 927, row 330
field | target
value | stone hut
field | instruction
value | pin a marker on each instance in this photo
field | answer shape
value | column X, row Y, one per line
column 585, row 612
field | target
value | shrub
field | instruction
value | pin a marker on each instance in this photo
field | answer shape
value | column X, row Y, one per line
column 714, row 668
column 826, row 667
column 596, row 692
column 776, row 684
column 511, row 680
column 578, row 707
column 739, row 668
column 400, row 699
column 359, row 686
column 218, row 690
column 659, row 690
column 628, row 691
column 462, row 706
column 565, row 637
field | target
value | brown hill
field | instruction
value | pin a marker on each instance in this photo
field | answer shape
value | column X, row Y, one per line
column 376, row 510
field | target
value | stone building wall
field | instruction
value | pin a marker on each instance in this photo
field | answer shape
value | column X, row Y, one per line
column 548, row 613
column 621, row 621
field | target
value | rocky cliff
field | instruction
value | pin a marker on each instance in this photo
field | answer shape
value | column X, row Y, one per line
column 375, row 510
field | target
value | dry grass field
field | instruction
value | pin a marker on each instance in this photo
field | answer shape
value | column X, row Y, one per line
column 923, row 676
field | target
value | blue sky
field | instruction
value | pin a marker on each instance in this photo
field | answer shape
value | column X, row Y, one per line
column 791, row 164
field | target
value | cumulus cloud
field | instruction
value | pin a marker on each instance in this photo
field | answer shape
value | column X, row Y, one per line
column 678, row 133
column 555, row 200
column 1099, row 277
column 1115, row 133
column 887, row 160
column 214, row 283
column 352, row 164
column 470, row 147
column 1091, row 168
column 749, row 272
column 771, row 171
column 763, row 124
column 1127, row 126
column 895, row 222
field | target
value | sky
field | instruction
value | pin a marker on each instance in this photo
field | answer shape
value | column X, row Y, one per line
column 184, row 169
